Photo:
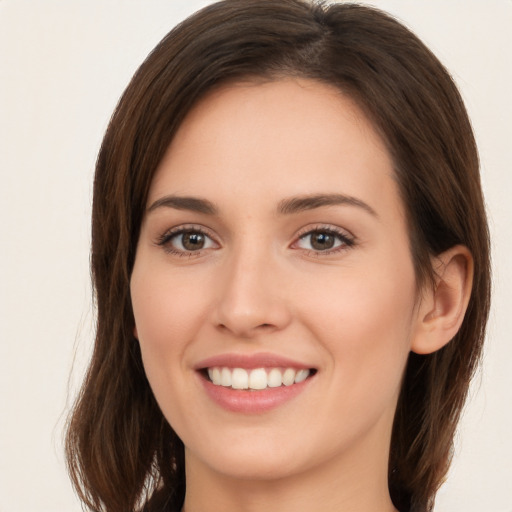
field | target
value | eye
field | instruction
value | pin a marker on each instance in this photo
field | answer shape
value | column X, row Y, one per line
column 186, row 240
column 324, row 240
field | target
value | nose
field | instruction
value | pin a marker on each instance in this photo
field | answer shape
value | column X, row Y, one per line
column 252, row 298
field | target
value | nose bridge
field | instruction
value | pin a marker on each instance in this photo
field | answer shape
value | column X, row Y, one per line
column 250, row 297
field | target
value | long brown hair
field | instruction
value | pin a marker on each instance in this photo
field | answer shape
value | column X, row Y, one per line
column 122, row 454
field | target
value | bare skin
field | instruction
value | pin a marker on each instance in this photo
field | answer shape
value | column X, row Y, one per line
column 275, row 226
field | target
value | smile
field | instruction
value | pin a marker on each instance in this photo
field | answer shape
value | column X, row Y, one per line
column 254, row 383
column 256, row 379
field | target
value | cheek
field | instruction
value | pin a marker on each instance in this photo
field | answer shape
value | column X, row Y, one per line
column 166, row 314
column 170, row 310
column 167, row 310
column 358, row 301
column 365, row 321
column 163, row 322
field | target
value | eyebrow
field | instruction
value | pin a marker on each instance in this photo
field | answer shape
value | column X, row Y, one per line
column 285, row 207
column 193, row 204
column 310, row 202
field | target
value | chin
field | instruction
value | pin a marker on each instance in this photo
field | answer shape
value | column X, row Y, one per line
column 252, row 460
column 256, row 470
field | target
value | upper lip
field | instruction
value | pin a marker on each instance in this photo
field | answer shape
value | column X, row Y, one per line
column 250, row 361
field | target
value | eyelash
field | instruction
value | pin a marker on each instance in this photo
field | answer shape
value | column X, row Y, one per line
column 166, row 238
column 346, row 241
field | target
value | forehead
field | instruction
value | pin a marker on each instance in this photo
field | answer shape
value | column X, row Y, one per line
column 284, row 138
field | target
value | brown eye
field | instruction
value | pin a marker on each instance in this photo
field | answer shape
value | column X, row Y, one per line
column 324, row 240
column 186, row 241
column 193, row 241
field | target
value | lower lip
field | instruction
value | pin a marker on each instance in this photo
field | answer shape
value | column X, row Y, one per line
column 252, row 402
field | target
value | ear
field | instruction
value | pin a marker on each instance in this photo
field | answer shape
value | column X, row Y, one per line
column 135, row 333
column 443, row 306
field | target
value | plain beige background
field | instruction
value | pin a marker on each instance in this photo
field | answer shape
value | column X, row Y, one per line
column 63, row 65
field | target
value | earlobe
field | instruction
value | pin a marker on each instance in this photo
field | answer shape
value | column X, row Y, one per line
column 443, row 307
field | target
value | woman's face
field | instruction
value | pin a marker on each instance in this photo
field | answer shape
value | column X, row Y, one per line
column 274, row 249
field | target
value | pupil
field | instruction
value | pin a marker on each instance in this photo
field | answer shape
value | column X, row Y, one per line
column 193, row 241
column 322, row 241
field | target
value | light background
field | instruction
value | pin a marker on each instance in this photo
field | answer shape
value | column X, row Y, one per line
column 63, row 65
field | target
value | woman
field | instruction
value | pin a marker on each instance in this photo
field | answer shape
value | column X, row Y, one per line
column 290, row 257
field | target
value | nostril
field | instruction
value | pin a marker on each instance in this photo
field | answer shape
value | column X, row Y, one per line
column 245, row 330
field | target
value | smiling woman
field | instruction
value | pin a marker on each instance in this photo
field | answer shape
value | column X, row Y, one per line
column 290, row 256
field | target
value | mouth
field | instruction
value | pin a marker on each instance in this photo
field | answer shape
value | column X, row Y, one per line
column 256, row 379
column 254, row 383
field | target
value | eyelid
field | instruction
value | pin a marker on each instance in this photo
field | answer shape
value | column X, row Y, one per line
column 165, row 238
column 347, row 238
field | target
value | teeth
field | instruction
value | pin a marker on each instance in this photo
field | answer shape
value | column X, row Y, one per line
column 274, row 378
column 289, row 376
column 225, row 377
column 239, row 379
column 214, row 375
column 259, row 378
column 301, row 376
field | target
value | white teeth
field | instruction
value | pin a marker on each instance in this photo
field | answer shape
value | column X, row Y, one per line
column 259, row 378
column 274, row 378
column 301, row 376
column 289, row 376
column 214, row 375
column 239, row 379
column 225, row 377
